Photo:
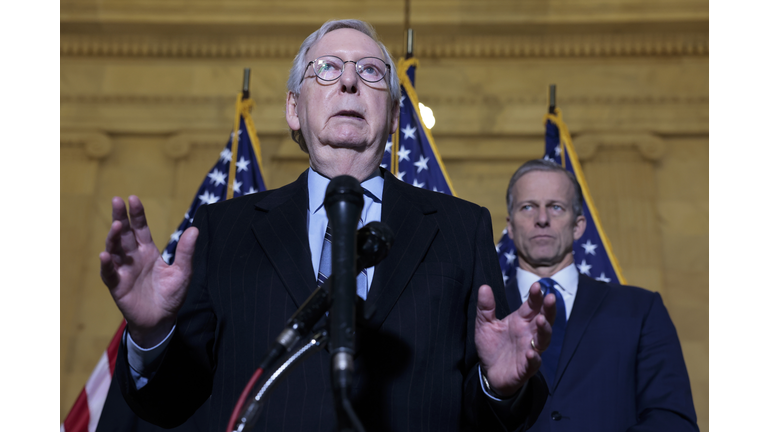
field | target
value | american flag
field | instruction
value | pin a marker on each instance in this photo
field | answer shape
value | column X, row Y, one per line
column 411, row 154
column 225, row 180
column 592, row 253
column 85, row 413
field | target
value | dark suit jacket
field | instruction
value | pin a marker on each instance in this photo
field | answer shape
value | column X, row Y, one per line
column 621, row 366
column 416, row 366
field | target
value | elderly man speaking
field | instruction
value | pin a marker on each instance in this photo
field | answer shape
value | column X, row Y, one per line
column 432, row 354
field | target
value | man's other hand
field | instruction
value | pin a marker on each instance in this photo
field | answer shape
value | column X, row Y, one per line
column 507, row 356
column 147, row 291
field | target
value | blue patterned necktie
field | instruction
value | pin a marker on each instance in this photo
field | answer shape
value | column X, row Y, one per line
column 551, row 356
column 325, row 267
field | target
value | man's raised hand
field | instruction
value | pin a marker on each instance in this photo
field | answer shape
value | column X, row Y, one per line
column 507, row 356
column 147, row 291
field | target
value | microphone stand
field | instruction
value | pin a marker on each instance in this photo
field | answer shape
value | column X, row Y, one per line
column 247, row 418
column 343, row 205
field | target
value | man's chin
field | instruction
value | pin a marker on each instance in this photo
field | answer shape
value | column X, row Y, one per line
column 346, row 140
column 544, row 260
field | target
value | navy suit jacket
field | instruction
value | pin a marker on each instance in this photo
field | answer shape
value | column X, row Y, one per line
column 416, row 362
column 621, row 367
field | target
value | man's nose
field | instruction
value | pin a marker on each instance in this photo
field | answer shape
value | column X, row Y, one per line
column 542, row 216
column 349, row 78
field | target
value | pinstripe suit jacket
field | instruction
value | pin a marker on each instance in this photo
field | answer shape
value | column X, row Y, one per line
column 416, row 360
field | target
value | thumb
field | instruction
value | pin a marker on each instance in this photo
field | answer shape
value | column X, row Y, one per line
column 185, row 250
column 486, row 305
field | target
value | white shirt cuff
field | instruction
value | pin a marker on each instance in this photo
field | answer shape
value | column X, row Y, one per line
column 486, row 390
column 144, row 361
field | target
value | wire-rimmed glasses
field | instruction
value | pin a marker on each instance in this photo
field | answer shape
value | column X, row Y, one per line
column 330, row 68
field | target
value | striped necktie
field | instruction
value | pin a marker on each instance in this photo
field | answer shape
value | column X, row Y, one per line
column 325, row 267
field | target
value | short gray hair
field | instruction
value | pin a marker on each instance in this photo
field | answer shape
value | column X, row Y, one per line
column 301, row 61
column 546, row 165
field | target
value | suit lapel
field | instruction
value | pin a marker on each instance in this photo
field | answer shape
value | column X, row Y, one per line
column 589, row 296
column 414, row 231
column 280, row 227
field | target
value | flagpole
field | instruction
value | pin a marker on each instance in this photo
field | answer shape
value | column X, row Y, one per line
column 552, row 104
column 394, row 161
column 408, row 15
column 246, row 82
column 239, row 111
column 409, row 43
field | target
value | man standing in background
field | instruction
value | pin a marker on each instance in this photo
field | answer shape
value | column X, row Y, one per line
column 614, row 362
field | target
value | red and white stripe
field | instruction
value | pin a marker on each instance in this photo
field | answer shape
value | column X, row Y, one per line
column 84, row 415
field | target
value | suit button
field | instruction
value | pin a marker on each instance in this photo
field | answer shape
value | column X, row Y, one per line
column 556, row 416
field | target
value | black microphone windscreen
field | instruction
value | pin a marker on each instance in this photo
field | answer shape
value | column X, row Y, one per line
column 344, row 188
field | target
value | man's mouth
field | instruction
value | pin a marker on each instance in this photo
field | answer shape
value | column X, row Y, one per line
column 349, row 114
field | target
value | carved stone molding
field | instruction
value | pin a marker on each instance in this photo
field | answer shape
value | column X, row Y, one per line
column 564, row 45
column 161, row 99
column 429, row 46
column 651, row 147
column 435, row 99
column 178, row 46
column 179, row 145
column 96, row 145
column 438, row 99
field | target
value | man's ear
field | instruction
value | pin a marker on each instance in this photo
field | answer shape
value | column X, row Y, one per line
column 292, row 111
column 395, row 118
column 579, row 227
column 510, row 232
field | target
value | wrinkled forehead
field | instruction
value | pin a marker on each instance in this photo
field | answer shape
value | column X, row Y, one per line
column 543, row 185
column 347, row 44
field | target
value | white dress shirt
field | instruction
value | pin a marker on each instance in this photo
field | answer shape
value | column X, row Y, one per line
column 317, row 220
column 567, row 282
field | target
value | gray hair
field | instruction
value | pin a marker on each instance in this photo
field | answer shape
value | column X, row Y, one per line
column 300, row 63
column 546, row 165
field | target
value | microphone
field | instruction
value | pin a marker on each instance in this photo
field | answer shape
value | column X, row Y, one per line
column 343, row 205
column 373, row 243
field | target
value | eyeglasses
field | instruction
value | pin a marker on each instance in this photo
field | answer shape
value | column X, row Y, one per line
column 330, row 68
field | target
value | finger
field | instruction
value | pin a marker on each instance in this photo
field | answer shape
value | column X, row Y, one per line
column 543, row 333
column 119, row 213
column 535, row 297
column 185, row 250
column 533, row 363
column 534, row 360
column 550, row 308
column 112, row 244
column 486, row 305
column 109, row 274
column 139, row 220
column 531, row 307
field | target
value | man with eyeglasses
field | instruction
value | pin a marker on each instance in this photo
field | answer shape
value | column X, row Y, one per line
column 431, row 353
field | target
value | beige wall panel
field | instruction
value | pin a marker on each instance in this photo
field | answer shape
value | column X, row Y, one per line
column 509, row 96
column 169, row 95
column 382, row 12
column 285, row 12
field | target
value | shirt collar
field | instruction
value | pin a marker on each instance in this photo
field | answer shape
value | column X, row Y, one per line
column 567, row 279
column 317, row 184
